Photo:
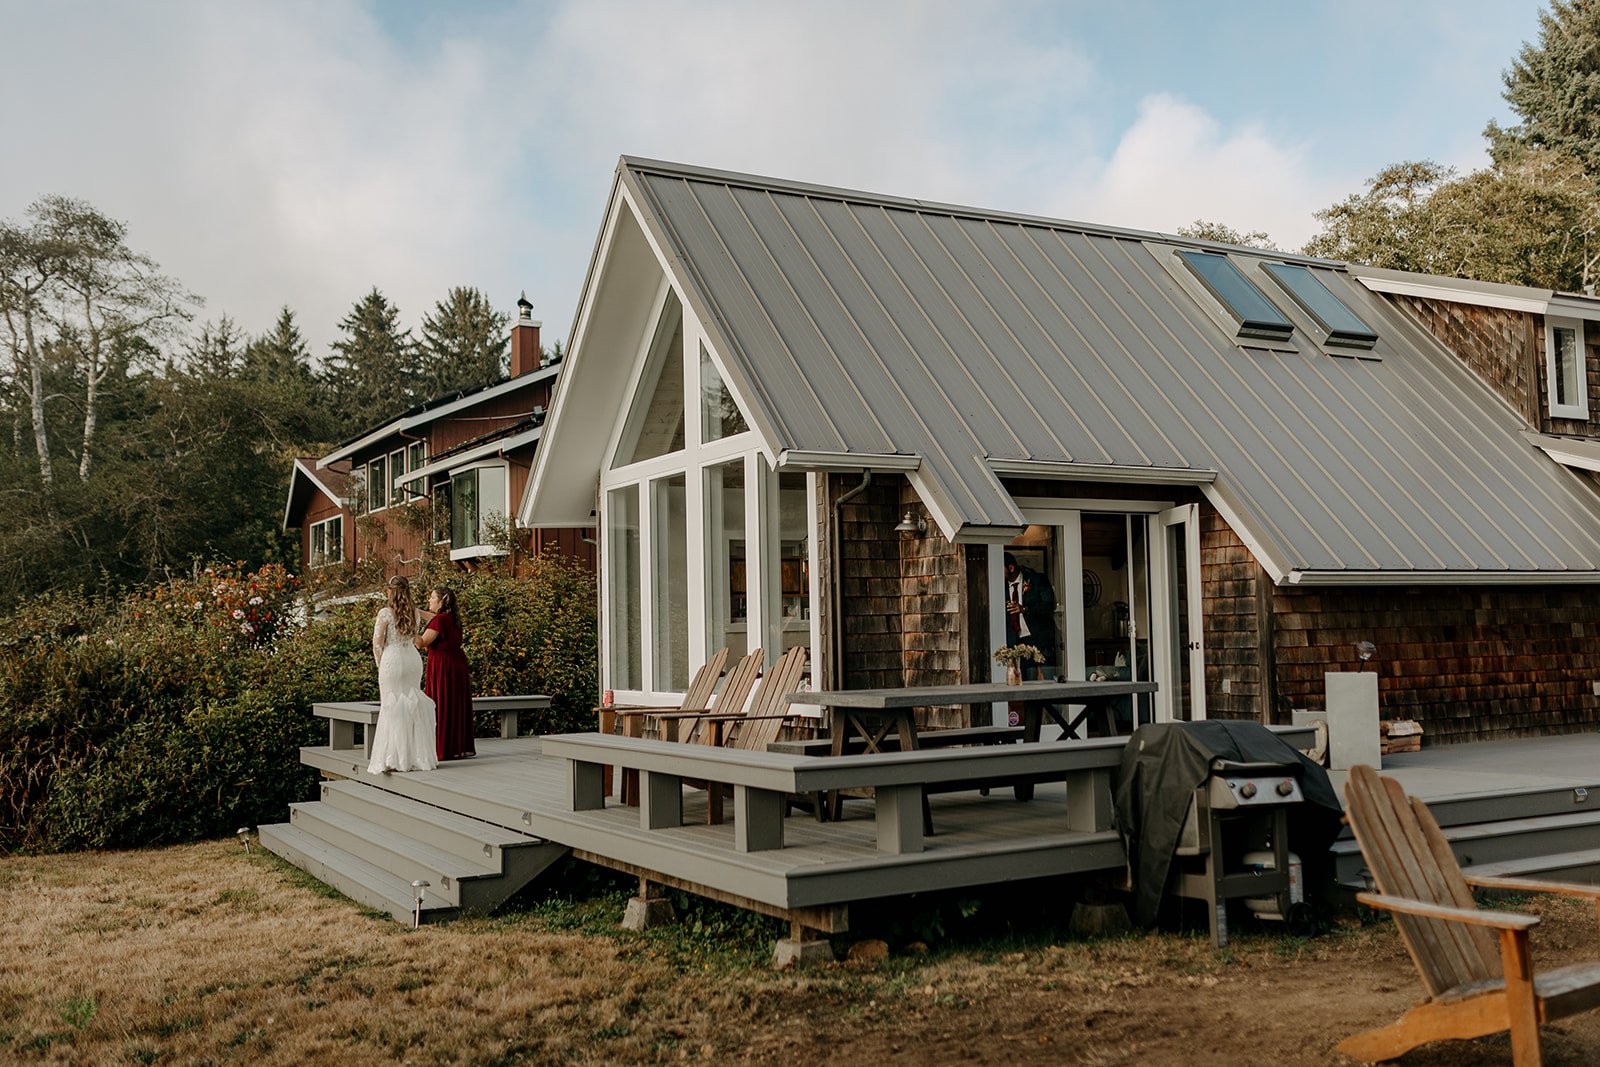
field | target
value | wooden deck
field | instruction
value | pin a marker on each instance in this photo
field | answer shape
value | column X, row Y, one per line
column 979, row 839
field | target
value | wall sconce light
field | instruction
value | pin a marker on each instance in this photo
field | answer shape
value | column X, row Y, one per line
column 1365, row 650
column 912, row 524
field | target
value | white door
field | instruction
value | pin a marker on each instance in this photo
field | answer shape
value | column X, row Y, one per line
column 1183, row 691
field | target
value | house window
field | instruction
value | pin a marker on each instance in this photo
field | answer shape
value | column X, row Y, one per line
column 397, row 470
column 655, row 423
column 788, row 568
column 378, row 483
column 478, row 507
column 416, row 455
column 624, row 617
column 1253, row 314
column 441, row 511
column 727, row 593
column 719, row 415
column 670, row 564
column 327, row 542
column 1565, row 368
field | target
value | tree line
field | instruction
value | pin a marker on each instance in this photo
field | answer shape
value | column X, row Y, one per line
column 1531, row 217
column 134, row 441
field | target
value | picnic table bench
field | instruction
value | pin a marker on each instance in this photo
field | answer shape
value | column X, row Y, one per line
column 344, row 716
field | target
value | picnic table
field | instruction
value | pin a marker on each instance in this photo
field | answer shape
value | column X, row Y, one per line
column 872, row 714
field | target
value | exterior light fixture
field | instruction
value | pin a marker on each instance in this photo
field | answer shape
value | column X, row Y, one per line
column 419, row 888
column 243, row 834
column 912, row 524
column 1365, row 650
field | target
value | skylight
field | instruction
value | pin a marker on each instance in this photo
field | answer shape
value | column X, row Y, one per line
column 1253, row 312
column 1342, row 325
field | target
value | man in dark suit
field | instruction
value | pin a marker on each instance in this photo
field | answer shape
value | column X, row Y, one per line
column 1030, row 615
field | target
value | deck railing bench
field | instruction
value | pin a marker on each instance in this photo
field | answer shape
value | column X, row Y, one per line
column 762, row 781
column 344, row 716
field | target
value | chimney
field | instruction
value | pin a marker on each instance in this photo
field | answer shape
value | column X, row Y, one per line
column 526, row 355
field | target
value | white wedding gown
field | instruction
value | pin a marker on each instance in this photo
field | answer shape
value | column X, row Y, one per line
column 404, row 738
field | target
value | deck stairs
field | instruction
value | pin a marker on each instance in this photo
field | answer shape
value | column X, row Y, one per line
column 371, row 844
column 1544, row 832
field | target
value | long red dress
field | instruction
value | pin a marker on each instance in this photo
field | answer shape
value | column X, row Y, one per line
column 447, row 680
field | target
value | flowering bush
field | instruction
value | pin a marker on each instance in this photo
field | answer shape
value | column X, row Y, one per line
column 252, row 608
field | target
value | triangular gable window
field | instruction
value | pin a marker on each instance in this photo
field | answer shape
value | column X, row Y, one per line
column 719, row 415
column 655, row 423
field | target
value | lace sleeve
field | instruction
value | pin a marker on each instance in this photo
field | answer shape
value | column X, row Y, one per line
column 380, row 635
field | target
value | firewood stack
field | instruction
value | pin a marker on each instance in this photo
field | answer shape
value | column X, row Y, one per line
column 1400, row 735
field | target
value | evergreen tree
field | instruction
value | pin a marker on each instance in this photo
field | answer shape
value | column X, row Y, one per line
column 219, row 350
column 294, row 406
column 280, row 355
column 1554, row 85
column 464, row 343
column 372, row 374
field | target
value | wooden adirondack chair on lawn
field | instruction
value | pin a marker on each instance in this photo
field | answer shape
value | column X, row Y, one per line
column 1473, row 989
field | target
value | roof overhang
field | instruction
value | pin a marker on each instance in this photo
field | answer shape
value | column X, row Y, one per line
column 1577, row 452
column 1392, row 578
column 301, row 473
column 1102, row 472
column 407, row 423
column 446, row 464
column 1482, row 294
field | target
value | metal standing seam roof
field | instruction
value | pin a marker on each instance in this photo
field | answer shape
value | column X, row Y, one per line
column 981, row 340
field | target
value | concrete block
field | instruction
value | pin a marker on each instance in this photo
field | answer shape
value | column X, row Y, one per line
column 791, row 953
column 643, row 914
column 1098, row 920
column 1352, row 711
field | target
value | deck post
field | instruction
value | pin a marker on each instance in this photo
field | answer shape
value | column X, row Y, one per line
column 757, row 819
column 660, row 800
column 652, row 907
column 587, row 785
column 899, row 816
column 1089, row 801
column 341, row 734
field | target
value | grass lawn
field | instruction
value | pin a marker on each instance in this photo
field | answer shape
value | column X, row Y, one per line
column 201, row 954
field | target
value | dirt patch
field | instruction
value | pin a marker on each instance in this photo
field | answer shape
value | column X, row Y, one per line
column 202, row 955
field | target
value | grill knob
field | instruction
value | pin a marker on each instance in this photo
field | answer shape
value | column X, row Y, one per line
column 1247, row 790
column 1285, row 787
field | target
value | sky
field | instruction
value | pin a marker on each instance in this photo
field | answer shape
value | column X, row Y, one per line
column 299, row 154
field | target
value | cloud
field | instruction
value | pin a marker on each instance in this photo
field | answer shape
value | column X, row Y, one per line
column 1176, row 164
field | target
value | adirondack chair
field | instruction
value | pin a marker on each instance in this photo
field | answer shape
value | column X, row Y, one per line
column 632, row 720
column 759, row 725
column 1475, row 987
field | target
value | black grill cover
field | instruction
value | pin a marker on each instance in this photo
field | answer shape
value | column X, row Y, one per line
column 1164, row 763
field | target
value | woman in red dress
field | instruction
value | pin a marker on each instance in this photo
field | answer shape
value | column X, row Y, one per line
column 445, row 677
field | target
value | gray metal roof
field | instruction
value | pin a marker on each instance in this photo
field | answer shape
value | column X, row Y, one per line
column 983, row 342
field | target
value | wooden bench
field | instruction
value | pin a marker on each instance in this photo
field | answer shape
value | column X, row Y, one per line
column 763, row 781
column 344, row 716
column 972, row 735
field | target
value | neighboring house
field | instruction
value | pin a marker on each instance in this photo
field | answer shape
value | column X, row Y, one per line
column 831, row 414
column 445, row 474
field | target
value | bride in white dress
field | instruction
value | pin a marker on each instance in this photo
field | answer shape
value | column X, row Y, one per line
column 404, row 738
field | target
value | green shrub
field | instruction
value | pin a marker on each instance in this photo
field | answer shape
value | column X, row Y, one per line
column 168, row 717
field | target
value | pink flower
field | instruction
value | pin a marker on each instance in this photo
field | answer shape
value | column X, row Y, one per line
column 237, row 613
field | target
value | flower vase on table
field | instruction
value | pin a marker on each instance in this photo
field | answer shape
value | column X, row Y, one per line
column 1013, row 673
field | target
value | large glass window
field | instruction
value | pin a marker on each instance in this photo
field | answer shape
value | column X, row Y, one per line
column 624, row 629
column 719, row 415
column 727, row 602
column 655, row 422
column 477, row 506
column 669, row 566
column 787, row 575
column 669, row 615
column 397, row 470
column 441, row 510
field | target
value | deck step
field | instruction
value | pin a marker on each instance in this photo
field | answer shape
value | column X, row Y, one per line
column 392, row 850
column 351, row 875
column 1581, row 866
column 1485, row 845
column 469, row 838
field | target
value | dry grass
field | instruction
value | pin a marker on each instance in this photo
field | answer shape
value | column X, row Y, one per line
column 200, row 955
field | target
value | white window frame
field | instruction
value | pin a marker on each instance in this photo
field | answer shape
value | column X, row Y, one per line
column 1579, row 408
column 311, row 540
column 692, row 461
column 480, row 549
column 378, row 485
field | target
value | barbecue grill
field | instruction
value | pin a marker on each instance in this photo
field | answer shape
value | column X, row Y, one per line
column 1234, row 843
